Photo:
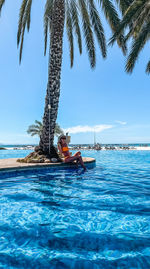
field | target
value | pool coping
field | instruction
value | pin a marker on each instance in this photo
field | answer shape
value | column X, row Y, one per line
column 7, row 165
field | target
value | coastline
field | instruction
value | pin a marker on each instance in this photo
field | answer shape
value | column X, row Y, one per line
column 96, row 147
column 117, row 148
column 142, row 148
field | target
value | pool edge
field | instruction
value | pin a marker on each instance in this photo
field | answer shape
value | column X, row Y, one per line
column 14, row 167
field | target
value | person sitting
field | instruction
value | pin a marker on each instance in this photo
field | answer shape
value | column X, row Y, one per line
column 64, row 151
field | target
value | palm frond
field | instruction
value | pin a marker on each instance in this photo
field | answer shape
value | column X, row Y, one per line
column 137, row 46
column 98, row 28
column 34, row 133
column 31, row 129
column 148, row 68
column 113, row 20
column 35, row 129
column 140, row 18
column 21, row 45
column 124, row 4
column 75, row 23
column 39, row 123
column 28, row 11
column 88, row 34
column 127, row 19
column 47, row 21
column 24, row 20
column 21, row 15
column 58, row 130
column 70, row 34
column 1, row 4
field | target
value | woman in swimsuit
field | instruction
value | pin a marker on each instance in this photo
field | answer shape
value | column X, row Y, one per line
column 64, row 150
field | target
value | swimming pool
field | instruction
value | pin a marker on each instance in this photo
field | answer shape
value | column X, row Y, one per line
column 69, row 219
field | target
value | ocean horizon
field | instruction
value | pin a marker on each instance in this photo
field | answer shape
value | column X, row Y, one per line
column 102, row 144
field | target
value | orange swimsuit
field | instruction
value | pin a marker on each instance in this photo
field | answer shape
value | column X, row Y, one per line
column 65, row 151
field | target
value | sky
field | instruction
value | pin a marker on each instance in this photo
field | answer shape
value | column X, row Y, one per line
column 106, row 101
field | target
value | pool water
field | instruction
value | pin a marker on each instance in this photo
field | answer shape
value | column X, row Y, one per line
column 71, row 219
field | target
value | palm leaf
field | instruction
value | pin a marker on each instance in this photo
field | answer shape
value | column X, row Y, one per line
column 28, row 10
column 98, row 28
column 148, row 68
column 75, row 23
column 137, row 46
column 1, row 4
column 31, row 129
column 70, row 34
column 34, row 133
column 24, row 20
column 113, row 20
column 142, row 14
column 21, row 45
column 35, row 129
column 39, row 123
column 88, row 33
column 141, row 17
column 127, row 19
column 21, row 15
column 47, row 20
column 124, row 4
column 34, row 126
column 58, row 130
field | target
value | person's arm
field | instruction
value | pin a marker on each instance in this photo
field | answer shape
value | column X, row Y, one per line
column 60, row 150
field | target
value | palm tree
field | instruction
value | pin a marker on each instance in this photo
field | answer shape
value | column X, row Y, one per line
column 71, row 13
column 36, row 129
column 136, row 21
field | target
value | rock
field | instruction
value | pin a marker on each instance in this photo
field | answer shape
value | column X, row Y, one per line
column 38, row 156
column 36, row 161
column 47, row 161
column 37, row 148
column 54, row 160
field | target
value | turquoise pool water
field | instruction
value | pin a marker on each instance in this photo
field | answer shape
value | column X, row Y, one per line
column 70, row 219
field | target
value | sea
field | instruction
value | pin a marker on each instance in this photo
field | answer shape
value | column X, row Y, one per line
column 22, row 150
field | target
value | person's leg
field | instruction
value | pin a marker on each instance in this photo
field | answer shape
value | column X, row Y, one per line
column 78, row 158
column 81, row 162
column 77, row 153
column 71, row 159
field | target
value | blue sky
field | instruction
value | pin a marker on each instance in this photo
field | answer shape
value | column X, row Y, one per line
column 106, row 100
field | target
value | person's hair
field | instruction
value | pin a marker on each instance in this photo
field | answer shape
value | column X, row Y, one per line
column 63, row 137
column 60, row 141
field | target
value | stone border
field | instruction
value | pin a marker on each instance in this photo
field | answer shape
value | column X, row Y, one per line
column 12, row 167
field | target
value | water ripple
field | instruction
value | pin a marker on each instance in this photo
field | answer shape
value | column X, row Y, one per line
column 67, row 219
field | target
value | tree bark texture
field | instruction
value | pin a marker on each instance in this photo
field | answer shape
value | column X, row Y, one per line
column 54, row 76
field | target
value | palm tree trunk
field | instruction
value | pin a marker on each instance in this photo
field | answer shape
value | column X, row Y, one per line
column 54, row 75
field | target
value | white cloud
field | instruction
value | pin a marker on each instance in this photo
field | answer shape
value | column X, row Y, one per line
column 121, row 122
column 85, row 129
